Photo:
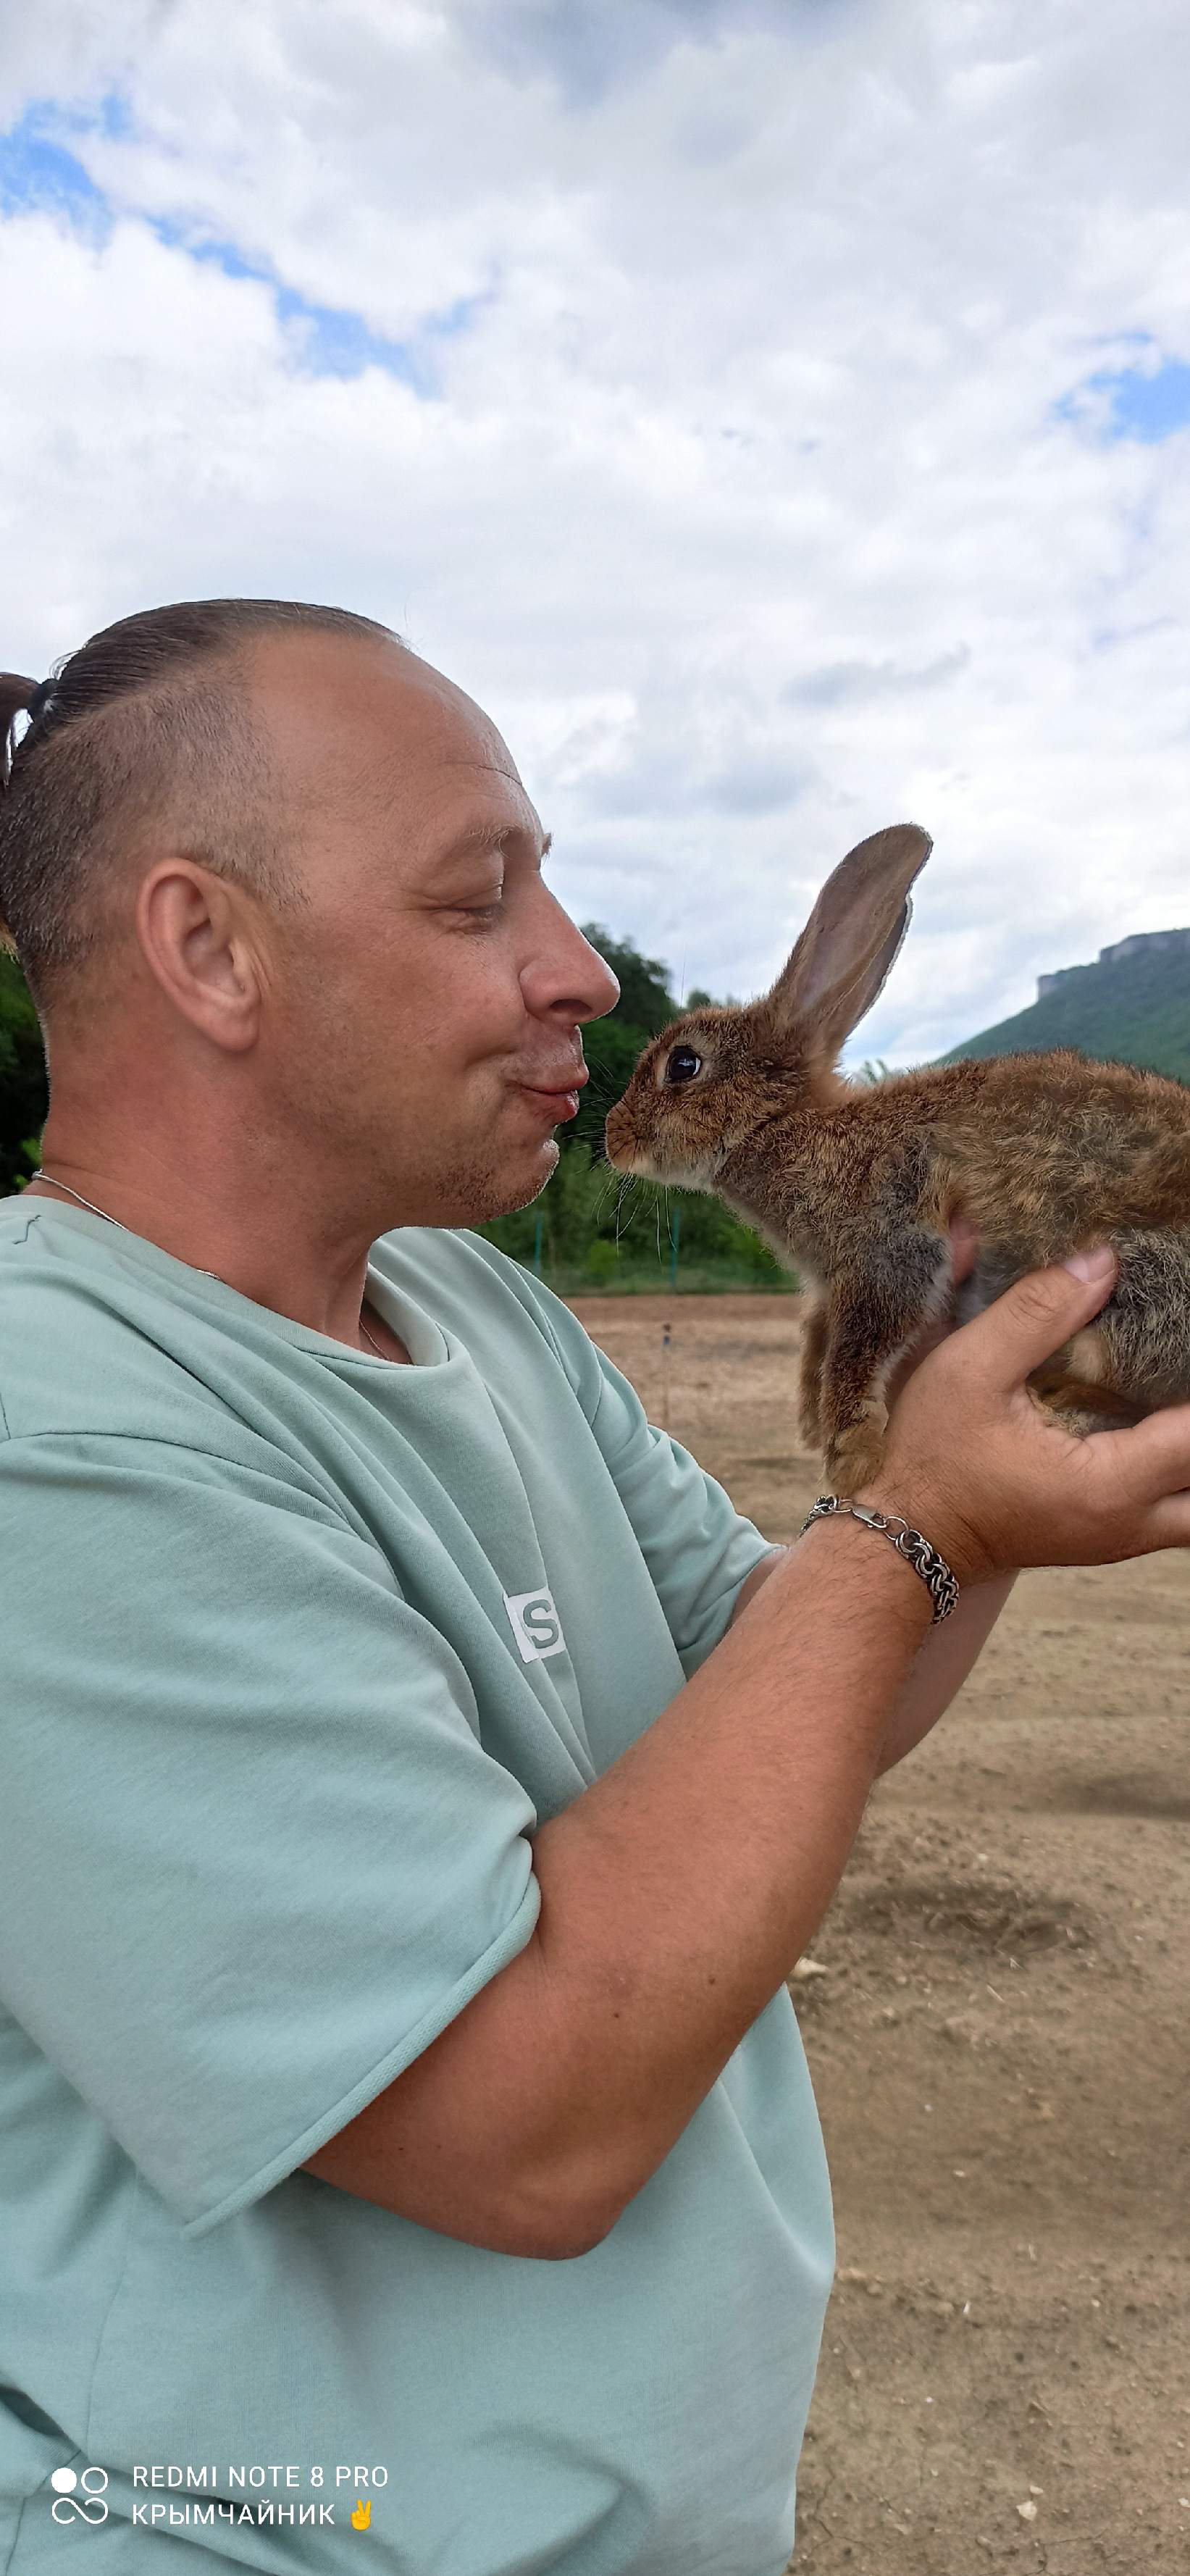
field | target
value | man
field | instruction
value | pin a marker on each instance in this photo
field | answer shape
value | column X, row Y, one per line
column 420, row 1782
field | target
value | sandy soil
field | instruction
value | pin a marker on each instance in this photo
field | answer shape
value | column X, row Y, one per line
column 1001, row 2051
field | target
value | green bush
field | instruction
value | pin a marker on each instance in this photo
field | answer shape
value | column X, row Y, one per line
column 594, row 1232
column 24, row 1093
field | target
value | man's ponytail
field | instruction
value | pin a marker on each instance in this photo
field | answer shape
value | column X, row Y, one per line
column 16, row 697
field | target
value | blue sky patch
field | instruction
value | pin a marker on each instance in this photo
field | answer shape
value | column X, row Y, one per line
column 335, row 342
column 40, row 173
column 1151, row 407
column 327, row 339
column 1143, row 401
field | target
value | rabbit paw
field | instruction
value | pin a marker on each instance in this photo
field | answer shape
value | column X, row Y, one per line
column 856, row 1456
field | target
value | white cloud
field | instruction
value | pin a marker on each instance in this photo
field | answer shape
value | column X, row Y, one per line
column 741, row 492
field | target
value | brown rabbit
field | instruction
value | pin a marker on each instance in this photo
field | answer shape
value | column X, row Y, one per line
column 854, row 1185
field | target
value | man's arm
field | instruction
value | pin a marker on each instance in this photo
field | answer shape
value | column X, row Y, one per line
column 676, row 1893
column 940, row 1667
column 678, row 1890
column 943, row 1660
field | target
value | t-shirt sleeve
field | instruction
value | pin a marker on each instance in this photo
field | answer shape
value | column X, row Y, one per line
column 697, row 1547
column 253, row 1856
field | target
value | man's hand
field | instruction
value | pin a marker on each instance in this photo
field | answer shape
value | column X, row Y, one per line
column 994, row 1481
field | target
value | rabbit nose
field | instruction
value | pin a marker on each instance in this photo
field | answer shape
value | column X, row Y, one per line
column 620, row 1142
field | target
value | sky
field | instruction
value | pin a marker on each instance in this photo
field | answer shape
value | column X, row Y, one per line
column 776, row 413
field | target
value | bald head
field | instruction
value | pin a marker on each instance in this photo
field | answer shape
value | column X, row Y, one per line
column 359, row 723
column 337, row 992
column 148, row 735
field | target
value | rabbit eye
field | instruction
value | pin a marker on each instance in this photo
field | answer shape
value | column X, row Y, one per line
column 683, row 1064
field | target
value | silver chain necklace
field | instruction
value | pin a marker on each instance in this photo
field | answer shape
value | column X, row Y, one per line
column 39, row 1175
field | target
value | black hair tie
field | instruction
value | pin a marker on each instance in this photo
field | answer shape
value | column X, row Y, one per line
column 40, row 700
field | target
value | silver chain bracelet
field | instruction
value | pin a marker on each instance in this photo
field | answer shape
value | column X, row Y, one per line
column 935, row 1573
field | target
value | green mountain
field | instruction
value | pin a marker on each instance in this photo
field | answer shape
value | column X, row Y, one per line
column 1131, row 1007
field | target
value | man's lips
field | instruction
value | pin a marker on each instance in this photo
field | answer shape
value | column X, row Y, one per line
column 560, row 1096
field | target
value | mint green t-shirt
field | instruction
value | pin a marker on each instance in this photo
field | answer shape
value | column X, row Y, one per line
column 299, row 1645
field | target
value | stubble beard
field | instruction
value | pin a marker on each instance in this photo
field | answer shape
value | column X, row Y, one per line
column 502, row 1195
column 476, row 1192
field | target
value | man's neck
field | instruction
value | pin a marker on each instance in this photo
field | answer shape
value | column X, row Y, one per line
column 297, row 1263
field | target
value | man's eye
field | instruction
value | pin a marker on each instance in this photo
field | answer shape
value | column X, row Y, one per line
column 682, row 1065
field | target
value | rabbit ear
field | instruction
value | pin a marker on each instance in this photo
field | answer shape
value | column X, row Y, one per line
column 851, row 939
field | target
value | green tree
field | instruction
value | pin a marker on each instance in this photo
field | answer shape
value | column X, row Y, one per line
column 612, row 1045
column 646, row 1002
column 698, row 1000
column 24, row 1092
column 578, row 1203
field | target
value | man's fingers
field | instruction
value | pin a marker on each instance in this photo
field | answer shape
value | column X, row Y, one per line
column 1152, row 1460
column 1167, row 1524
column 1035, row 1316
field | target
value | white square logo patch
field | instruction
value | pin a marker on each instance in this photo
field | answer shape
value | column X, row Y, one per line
column 535, row 1625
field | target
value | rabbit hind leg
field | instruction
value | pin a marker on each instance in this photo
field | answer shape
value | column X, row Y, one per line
column 1076, row 1384
column 1135, row 1357
column 873, row 1319
column 813, row 1353
column 1145, row 1326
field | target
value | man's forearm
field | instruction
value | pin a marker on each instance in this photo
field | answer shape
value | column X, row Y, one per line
column 677, row 1893
column 680, row 1889
column 941, row 1665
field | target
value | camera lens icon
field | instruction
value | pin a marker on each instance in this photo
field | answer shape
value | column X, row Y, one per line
column 79, row 2495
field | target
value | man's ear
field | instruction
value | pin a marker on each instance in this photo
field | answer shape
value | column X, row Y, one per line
column 197, row 937
column 851, row 940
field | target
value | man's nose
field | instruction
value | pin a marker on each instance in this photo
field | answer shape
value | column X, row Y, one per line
column 569, row 976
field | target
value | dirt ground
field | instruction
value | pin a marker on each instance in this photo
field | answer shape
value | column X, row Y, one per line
column 1000, row 2046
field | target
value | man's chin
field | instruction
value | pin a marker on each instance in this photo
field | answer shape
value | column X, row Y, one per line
column 477, row 1197
column 521, row 1190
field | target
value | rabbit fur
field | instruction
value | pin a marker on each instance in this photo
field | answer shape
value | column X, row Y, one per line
column 854, row 1185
